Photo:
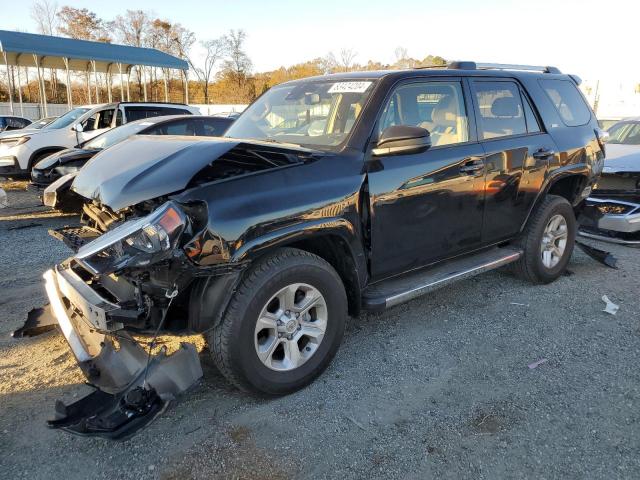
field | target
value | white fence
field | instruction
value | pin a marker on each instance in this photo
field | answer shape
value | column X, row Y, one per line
column 33, row 111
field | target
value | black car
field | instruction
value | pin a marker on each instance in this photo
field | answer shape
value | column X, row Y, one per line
column 71, row 160
column 9, row 122
column 329, row 196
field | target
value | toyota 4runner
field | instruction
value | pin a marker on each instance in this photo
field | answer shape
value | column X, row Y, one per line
column 328, row 196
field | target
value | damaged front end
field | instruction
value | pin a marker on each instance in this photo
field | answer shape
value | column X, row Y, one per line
column 126, row 278
column 612, row 212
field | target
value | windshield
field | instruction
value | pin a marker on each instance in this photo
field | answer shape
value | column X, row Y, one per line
column 315, row 113
column 111, row 137
column 68, row 118
column 627, row 133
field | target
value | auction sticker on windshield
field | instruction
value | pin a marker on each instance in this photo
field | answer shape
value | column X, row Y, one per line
column 349, row 87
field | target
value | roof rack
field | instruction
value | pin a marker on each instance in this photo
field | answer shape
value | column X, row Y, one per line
column 465, row 65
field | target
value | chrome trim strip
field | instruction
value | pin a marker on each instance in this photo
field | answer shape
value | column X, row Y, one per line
column 60, row 312
column 441, row 282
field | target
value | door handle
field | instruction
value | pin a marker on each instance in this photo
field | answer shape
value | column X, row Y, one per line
column 471, row 167
column 543, row 153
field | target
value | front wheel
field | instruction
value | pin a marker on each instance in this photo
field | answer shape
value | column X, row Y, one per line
column 283, row 325
column 547, row 241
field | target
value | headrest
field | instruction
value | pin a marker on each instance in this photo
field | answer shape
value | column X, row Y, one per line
column 445, row 112
column 505, row 107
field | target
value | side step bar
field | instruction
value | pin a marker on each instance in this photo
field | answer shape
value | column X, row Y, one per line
column 397, row 290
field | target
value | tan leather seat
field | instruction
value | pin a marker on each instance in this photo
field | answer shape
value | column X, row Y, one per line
column 447, row 125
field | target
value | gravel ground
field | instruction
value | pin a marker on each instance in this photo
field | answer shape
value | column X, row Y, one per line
column 436, row 388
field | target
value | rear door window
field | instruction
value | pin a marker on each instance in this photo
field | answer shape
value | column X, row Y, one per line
column 179, row 127
column 568, row 101
column 138, row 113
column 213, row 127
column 500, row 108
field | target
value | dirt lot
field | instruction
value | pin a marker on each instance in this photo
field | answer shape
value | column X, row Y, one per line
column 437, row 388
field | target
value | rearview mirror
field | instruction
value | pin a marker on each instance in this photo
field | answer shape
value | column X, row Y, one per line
column 402, row 139
column 78, row 127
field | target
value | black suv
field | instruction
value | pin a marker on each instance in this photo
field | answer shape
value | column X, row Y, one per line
column 326, row 197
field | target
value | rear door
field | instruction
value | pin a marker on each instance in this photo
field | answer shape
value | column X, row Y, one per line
column 517, row 155
column 427, row 206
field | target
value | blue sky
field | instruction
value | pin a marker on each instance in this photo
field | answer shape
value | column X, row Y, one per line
column 577, row 36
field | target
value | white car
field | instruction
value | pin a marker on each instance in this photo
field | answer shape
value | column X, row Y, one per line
column 20, row 150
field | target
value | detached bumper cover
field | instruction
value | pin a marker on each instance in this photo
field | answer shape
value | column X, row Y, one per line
column 132, row 388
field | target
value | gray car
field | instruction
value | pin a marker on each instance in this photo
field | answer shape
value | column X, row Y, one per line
column 615, row 200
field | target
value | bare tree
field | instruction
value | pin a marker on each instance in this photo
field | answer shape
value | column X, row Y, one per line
column 215, row 49
column 238, row 64
column 45, row 14
column 132, row 29
column 347, row 58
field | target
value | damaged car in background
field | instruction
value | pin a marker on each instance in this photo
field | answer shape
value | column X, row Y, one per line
column 328, row 196
column 57, row 171
column 613, row 212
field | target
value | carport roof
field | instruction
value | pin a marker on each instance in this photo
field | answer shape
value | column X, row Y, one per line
column 20, row 48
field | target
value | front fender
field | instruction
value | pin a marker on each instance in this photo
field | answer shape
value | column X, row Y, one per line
column 336, row 226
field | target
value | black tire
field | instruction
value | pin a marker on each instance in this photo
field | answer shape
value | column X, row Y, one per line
column 530, row 266
column 232, row 342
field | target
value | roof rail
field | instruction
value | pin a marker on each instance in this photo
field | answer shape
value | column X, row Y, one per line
column 467, row 65
column 527, row 68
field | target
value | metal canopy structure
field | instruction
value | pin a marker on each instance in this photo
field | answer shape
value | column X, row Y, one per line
column 20, row 49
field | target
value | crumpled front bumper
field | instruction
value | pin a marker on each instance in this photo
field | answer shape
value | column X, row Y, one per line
column 618, row 220
column 132, row 387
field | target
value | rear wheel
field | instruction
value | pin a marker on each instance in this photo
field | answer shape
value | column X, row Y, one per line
column 547, row 241
column 283, row 325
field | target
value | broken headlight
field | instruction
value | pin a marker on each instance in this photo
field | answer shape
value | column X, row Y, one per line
column 136, row 243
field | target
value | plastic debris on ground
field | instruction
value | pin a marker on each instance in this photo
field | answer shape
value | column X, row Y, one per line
column 537, row 363
column 4, row 203
column 610, row 307
column 602, row 256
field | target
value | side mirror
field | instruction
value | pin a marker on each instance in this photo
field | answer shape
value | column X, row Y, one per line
column 402, row 139
column 78, row 127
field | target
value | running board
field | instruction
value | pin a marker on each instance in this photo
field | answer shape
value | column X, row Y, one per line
column 388, row 293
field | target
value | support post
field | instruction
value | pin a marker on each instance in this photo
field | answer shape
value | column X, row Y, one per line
column 69, row 99
column 42, row 90
column 9, row 83
column 186, row 87
column 166, row 89
column 88, row 84
column 108, row 75
column 19, row 87
column 121, row 82
column 95, row 79
column 144, row 82
column 128, row 79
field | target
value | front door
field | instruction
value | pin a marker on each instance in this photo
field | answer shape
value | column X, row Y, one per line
column 427, row 206
column 98, row 123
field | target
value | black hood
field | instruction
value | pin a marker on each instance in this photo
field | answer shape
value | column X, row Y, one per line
column 146, row 167
column 68, row 155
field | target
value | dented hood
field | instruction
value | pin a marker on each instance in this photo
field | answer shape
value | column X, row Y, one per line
column 146, row 167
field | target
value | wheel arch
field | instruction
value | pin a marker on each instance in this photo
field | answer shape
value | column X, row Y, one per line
column 567, row 183
column 40, row 152
column 336, row 240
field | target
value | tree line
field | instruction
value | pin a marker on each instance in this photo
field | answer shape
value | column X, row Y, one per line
column 223, row 74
